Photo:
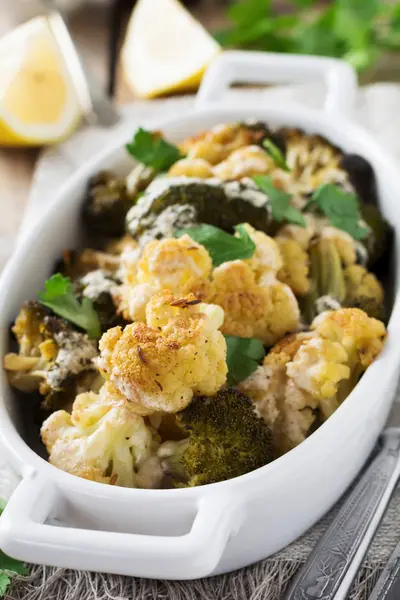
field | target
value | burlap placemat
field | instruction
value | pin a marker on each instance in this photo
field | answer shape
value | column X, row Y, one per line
column 377, row 109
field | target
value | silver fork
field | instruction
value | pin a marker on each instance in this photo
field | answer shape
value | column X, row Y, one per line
column 334, row 562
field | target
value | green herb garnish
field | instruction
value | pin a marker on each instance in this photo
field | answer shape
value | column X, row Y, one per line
column 279, row 201
column 359, row 31
column 276, row 154
column 341, row 208
column 221, row 246
column 153, row 151
column 59, row 296
column 243, row 356
column 9, row 567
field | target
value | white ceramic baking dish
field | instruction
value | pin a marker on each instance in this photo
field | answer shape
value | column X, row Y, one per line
column 191, row 533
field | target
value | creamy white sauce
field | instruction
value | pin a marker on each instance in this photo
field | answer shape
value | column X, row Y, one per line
column 75, row 354
column 96, row 283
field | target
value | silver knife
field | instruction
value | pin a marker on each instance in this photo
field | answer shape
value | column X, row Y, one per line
column 388, row 585
column 334, row 562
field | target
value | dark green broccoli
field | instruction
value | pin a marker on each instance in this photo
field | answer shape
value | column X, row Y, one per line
column 379, row 242
column 99, row 286
column 226, row 439
column 168, row 205
column 106, row 205
column 362, row 177
column 51, row 358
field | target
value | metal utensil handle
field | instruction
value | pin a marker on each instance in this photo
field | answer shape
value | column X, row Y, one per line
column 388, row 585
column 331, row 567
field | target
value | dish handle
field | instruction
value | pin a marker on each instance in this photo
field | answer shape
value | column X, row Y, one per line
column 25, row 535
column 269, row 67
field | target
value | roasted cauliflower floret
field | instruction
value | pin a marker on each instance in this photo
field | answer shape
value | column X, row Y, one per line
column 360, row 335
column 345, row 244
column 178, row 352
column 306, row 376
column 318, row 367
column 295, row 269
column 180, row 265
column 363, row 290
column 265, row 311
column 191, row 167
column 102, row 439
column 267, row 259
column 302, row 235
column 244, row 162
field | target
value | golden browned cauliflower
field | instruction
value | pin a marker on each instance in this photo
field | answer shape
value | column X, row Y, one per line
column 295, row 269
column 363, row 290
column 244, row 162
column 191, row 167
column 179, row 265
column 345, row 244
column 318, row 227
column 102, row 439
column 178, row 352
column 302, row 235
column 306, row 376
column 360, row 335
column 266, row 260
column 261, row 310
column 217, row 143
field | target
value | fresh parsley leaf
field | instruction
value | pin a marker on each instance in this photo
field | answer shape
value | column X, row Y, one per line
column 356, row 30
column 243, row 355
column 4, row 583
column 279, row 202
column 276, row 154
column 8, row 566
column 59, row 296
column 221, row 246
column 153, row 151
column 341, row 208
column 11, row 565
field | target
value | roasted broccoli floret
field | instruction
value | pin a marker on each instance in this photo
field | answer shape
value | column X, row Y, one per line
column 223, row 205
column 379, row 241
column 52, row 357
column 101, row 286
column 362, row 177
column 106, row 205
column 226, row 439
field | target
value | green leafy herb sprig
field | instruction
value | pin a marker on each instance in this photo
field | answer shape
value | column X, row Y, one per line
column 59, row 296
column 341, row 208
column 243, row 355
column 9, row 567
column 359, row 31
column 276, row 154
column 221, row 246
column 153, row 150
column 279, row 202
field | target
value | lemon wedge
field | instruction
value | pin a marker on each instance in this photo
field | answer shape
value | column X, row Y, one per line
column 38, row 101
column 165, row 50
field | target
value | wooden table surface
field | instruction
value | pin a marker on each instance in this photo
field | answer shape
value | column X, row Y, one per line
column 90, row 31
